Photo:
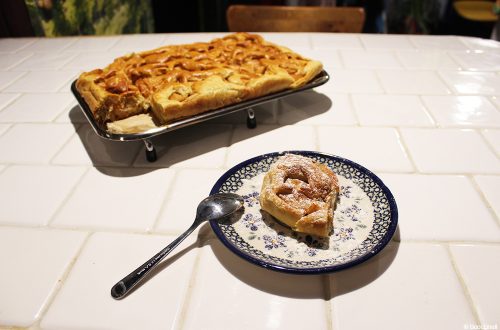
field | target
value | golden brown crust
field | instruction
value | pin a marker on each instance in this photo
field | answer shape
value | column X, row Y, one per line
column 301, row 194
column 174, row 82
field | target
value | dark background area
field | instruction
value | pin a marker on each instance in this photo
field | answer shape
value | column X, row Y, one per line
column 382, row 16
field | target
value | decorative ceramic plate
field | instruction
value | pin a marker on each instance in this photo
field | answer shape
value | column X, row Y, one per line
column 365, row 218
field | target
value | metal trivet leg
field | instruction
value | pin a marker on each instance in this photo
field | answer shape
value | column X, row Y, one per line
column 251, row 120
column 150, row 151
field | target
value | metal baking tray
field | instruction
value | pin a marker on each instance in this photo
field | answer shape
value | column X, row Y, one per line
column 100, row 130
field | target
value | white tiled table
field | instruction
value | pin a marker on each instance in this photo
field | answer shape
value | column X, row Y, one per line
column 77, row 213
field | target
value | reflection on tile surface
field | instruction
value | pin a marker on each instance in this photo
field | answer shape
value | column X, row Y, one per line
column 486, row 83
column 449, row 151
column 464, row 111
column 391, row 110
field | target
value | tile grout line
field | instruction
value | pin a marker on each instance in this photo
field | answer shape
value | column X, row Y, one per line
column 189, row 290
column 465, row 289
column 435, row 123
column 60, row 283
column 3, row 88
column 354, row 112
column 328, row 301
column 482, row 196
column 165, row 200
column 406, row 150
column 485, row 140
column 68, row 196
column 68, row 140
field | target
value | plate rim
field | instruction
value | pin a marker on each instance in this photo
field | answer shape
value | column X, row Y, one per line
column 315, row 270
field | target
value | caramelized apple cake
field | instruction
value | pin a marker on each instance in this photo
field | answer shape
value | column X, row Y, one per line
column 301, row 194
column 178, row 81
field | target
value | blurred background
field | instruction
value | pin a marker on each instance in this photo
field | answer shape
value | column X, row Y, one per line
column 103, row 17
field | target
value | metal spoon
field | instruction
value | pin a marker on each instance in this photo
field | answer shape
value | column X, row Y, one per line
column 211, row 208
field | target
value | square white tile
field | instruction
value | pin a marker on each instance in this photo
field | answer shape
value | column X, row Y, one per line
column 139, row 42
column 462, row 111
column 380, row 41
column 198, row 146
column 9, row 77
column 481, row 44
column 378, row 149
column 329, row 59
column 10, row 60
column 45, row 61
column 482, row 285
column 418, row 278
column 87, row 61
column 441, row 208
column 391, row 110
column 353, row 81
column 490, row 187
column 37, row 107
column 74, row 115
column 247, row 143
column 36, row 262
column 115, row 198
column 496, row 101
column 369, row 59
column 426, row 60
column 6, row 98
column 449, row 151
column 313, row 108
column 291, row 40
column 15, row 44
column 412, row 82
column 33, row 143
column 252, row 297
column 478, row 60
column 327, row 41
column 87, row 148
column 85, row 302
column 493, row 138
column 42, row 189
column 99, row 43
column 4, row 128
column 189, row 188
column 438, row 42
column 50, row 44
column 40, row 82
column 474, row 83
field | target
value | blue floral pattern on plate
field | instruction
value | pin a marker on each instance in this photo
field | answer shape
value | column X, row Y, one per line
column 365, row 219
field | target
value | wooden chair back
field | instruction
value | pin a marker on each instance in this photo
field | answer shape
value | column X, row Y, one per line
column 243, row 18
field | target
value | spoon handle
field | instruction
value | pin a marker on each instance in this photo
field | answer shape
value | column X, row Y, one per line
column 120, row 289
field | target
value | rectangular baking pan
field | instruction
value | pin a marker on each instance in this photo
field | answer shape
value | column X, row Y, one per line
column 319, row 80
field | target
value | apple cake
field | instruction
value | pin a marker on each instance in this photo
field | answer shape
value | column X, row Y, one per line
column 179, row 81
column 301, row 194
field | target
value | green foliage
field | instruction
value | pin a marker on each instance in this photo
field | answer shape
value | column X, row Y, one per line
column 76, row 17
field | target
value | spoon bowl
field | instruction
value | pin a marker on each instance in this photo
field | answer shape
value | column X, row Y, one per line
column 213, row 207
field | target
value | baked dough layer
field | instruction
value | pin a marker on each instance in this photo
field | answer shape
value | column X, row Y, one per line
column 300, row 193
column 179, row 81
